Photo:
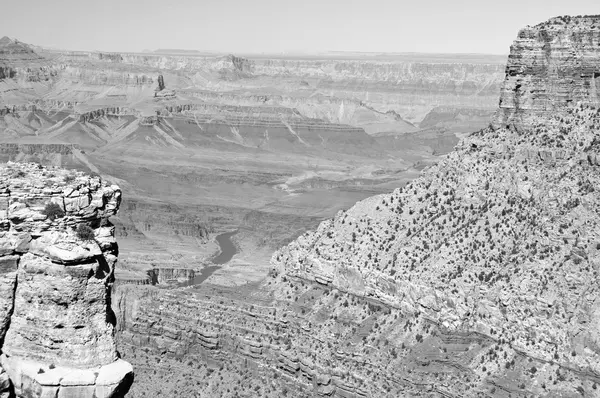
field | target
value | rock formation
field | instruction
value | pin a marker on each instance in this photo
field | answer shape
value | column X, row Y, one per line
column 551, row 66
column 477, row 279
column 13, row 50
column 501, row 239
column 58, row 255
column 161, row 91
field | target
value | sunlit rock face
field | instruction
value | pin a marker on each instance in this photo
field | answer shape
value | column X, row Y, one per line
column 57, row 259
column 551, row 66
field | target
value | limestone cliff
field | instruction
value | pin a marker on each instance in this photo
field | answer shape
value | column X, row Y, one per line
column 58, row 255
column 551, row 66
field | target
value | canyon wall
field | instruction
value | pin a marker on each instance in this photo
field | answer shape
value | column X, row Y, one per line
column 57, row 268
column 551, row 66
column 500, row 239
column 409, row 87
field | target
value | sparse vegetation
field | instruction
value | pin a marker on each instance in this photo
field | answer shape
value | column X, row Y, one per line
column 84, row 232
column 53, row 211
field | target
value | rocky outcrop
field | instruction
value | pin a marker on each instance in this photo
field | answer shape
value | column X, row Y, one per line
column 58, row 255
column 14, row 109
column 163, row 275
column 104, row 112
column 110, row 57
column 14, row 51
column 105, row 76
column 7, row 72
column 551, row 66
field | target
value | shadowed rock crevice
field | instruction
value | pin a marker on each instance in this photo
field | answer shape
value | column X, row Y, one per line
column 10, row 304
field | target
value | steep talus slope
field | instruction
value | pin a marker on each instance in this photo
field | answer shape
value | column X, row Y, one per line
column 551, row 65
column 57, row 267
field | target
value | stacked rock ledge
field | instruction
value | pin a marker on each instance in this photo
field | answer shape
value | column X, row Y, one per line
column 56, row 326
column 552, row 66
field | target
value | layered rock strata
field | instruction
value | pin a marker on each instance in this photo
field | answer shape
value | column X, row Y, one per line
column 58, row 255
column 477, row 279
column 551, row 66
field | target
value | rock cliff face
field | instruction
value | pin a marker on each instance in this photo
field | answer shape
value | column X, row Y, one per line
column 499, row 240
column 58, row 255
column 551, row 66
column 7, row 72
column 98, row 76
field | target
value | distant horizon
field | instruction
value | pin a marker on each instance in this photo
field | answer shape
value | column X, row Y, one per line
column 306, row 52
column 381, row 57
column 282, row 26
column 299, row 52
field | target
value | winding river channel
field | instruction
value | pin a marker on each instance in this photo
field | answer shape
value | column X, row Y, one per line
column 228, row 250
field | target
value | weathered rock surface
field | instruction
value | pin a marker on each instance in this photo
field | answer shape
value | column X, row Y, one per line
column 551, row 66
column 56, row 326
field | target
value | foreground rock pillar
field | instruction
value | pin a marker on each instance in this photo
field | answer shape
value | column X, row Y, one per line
column 57, row 259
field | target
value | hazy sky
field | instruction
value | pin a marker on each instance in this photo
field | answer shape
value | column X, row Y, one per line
column 254, row 26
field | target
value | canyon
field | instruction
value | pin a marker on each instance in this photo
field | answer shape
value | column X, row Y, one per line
column 450, row 202
column 478, row 278
column 205, row 144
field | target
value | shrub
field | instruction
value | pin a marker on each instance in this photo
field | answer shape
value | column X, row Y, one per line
column 84, row 232
column 69, row 178
column 53, row 211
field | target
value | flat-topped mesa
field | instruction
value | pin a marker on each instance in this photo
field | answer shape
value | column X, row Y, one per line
column 551, row 66
column 57, row 259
